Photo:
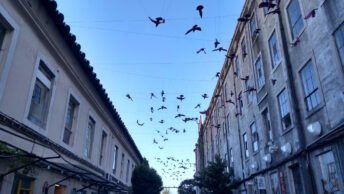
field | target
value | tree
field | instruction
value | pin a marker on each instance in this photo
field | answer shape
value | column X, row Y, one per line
column 215, row 180
column 187, row 187
column 145, row 180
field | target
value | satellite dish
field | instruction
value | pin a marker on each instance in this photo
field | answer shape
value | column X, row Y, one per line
column 314, row 128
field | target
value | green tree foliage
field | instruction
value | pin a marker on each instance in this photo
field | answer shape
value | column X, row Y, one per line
column 187, row 187
column 145, row 180
column 215, row 180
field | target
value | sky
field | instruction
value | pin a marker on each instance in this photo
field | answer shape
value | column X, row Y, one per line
column 132, row 56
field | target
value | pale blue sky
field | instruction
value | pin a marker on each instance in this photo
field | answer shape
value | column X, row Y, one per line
column 130, row 55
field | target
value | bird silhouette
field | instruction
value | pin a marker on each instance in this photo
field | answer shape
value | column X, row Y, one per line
column 311, row 14
column 157, row 21
column 245, row 18
column 205, row 96
column 232, row 93
column 201, row 50
column 151, row 119
column 184, row 130
column 275, row 11
column 162, row 93
column 198, row 106
column 200, row 10
column 129, row 97
column 245, row 78
column 163, row 99
column 220, row 49
column 181, row 97
column 230, row 101
column 273, row 81
column 256, row 31
column 139, row 124
column 165, row 139
column 217, row 74
column 152, row 95
column 204, row 112
column 267, row 4
column 250, row 89
column 178, row 107
column 216, row 43
column 161, row 121
column 160, row 147
column 295, row 42
column 179, row 115
column 154, row 141
column 162, row 108
column 193, row 29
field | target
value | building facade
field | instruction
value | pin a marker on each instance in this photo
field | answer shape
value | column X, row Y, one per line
column 59, row 131
column 277, row 114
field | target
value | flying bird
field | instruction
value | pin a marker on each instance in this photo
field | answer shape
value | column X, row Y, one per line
column 151, row 119
column 162, row 108
column 154, row 141
column 152, row 95
column 161, row 121
column 139, row 124
column 193, row 29
column 205, row 96
column 198, row 106
column 232, row 93
column 268, row 5
column 129, row 97
column 311, row 14
column 178, row 107
column 184, row 130
column 220, row 49
column 216, row 43
column 201, row 50
column 181, row 97
column 163, row 99
column 250, row 89
column 230, row 101
column 275, row 11
column 217, row 74
column 204, row 112
column 245, row 18
column 179, row 115
column 245, row 78
column 273, row 81
column 256, row 31
column 157, row 21
column 200, row 10
column 162, row 93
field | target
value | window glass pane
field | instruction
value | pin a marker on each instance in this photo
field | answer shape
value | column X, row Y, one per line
column 38, row 103
column 295, row 18
column 114, row 164
column 253, row 25
column 237, row 65
column 310, row 86
column 274, row 50
column 2, row 35
column 260, row 73
column 339, row 35
column 89, row 137
column 329, row 176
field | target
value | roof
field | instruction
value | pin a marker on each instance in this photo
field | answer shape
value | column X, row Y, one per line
column 64, row 29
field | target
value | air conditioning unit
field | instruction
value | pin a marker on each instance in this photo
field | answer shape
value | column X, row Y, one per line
column 286, row 148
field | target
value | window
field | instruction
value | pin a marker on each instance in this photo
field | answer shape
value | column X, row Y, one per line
column 89, row 137
column 114, row 162
column 70, row 117
column 255, row 137
column 275, row 185
column 23, row 185
column 310, row 86
column 284, row 109
column 243, row 49
column 329, row 177
column 297, row 179
column 41, row 95
column 122, row 166
column 260, row 73
column 249, row 94
column 253, row 26
column 266, row 123
column 102, row 147
column 274, row 50
column 339, row 35
column 127, row 174
column 237, row 66
column 2, row 35
column 295, row 18
column 247, row 154
column 241, row 103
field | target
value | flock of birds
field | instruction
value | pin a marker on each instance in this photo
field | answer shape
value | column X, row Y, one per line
column 174, row 168
column 171, row 166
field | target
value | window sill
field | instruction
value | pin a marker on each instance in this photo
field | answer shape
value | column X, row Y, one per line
column 275, row 67
column 287, row 130
column 314, row 110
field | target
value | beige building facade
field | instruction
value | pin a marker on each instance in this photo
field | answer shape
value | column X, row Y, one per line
column 276, row 115
column 59, row 131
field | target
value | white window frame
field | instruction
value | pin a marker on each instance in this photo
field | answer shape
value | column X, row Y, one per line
column 260, row 84
column 71, row 93
column 9, row 44
column 340, row 28
column 40, row 57
column 291, row 37
column 274, row 64
column 286, row 103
